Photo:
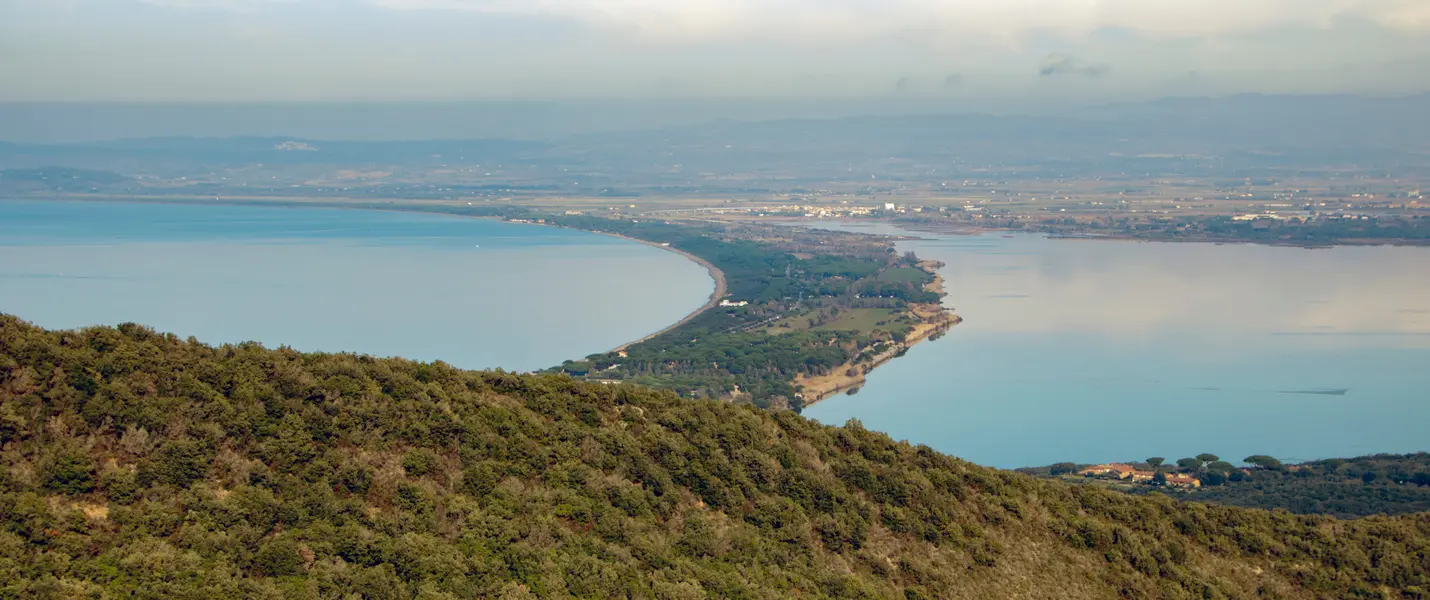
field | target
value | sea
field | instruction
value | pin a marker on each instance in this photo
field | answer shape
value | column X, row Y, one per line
column 1071, row 350
column 1086, row 351
column 475, row 293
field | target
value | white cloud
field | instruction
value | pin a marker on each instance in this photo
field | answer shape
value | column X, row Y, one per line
column 234, row 5
column 765, row 48
column 1413, row 15
column 703, row 20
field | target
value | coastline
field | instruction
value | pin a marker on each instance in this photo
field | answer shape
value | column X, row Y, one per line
column 1122, row 236
column 935, row 319
column 715, row 296
column 716, row 274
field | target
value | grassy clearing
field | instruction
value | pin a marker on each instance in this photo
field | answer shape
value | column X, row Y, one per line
column 860, row 319
column 857, row 319
column 905, row 275
column 798, row 322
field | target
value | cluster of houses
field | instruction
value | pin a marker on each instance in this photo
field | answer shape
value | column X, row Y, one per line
column 1128, row 472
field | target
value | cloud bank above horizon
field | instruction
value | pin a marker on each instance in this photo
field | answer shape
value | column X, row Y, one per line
column 1057, row 50
column 687, row 20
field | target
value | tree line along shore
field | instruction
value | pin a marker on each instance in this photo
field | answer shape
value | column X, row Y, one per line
column 798, row 314
column 802, row 314
column 137, row 464
column 1379, row 484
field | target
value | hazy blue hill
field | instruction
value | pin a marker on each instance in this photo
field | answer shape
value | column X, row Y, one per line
column 203, row 153
column 1341, row 125
column 1223, row 137
column 58, row 179
column 61, row 174
column 552, row 121
column 1212, row 126
column 1241, row 105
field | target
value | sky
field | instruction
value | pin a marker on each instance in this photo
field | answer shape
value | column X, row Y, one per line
column 978, row 52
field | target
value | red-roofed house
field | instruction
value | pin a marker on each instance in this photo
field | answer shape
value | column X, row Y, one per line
column 1183, row 481
column 1117, row 470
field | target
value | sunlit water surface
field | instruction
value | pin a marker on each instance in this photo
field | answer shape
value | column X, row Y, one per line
column 475, row 293
column 1087, row 351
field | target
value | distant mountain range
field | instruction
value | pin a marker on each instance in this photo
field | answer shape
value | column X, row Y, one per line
column 58, row 179
column 554, row 120
column 1191, row 137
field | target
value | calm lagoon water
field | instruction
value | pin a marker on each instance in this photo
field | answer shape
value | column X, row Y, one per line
column 473, row 292
column 1088, row 351
column 1081, row 351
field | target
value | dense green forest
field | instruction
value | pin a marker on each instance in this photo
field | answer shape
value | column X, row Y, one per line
column 1345, row 487
column 140, row 465
column 780, row 272
column 1381, row 484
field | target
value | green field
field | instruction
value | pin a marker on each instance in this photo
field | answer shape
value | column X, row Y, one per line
column 798, row 322
column 862, row 320
column 905, row 275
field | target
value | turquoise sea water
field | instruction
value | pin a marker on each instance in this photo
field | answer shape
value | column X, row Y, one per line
column 473, row 292
column 1088, row 351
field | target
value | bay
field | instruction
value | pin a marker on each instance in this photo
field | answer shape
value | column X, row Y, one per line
column 1097, row 350
column 476, row 293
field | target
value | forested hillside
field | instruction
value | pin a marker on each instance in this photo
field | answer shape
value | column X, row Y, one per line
column 1380, row 484
column 1345, row 487
column 136, row 464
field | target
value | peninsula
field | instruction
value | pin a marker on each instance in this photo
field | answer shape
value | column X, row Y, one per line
column 798, row 314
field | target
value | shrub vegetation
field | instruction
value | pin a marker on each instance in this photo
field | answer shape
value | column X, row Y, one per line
column 137, row 464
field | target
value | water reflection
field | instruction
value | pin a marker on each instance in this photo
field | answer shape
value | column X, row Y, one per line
column 1142, row 289
column 475, row 293
column 1092, row 350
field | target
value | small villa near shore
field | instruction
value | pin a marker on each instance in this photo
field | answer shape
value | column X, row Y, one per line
column 1175, row 480
column 1128, row 472
column 1115, row 470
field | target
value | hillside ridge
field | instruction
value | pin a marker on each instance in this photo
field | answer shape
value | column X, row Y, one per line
column 139, row 464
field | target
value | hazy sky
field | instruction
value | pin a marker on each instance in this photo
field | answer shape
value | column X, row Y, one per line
column 973, row 50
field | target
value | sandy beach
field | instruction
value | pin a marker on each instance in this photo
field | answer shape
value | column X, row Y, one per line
column 935, row 319
column 716, row 274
